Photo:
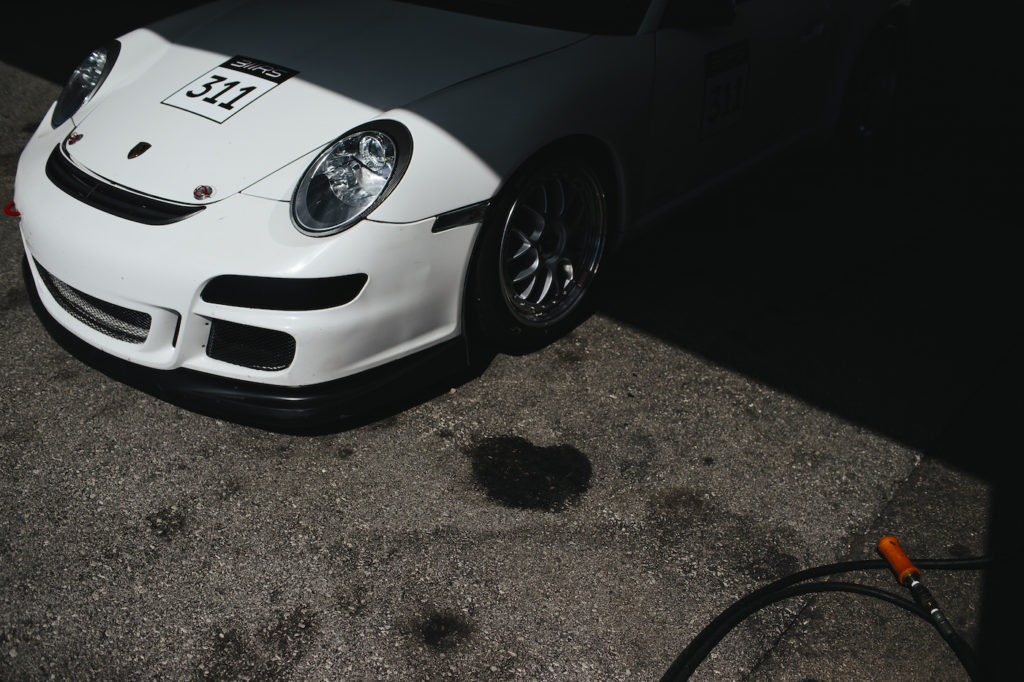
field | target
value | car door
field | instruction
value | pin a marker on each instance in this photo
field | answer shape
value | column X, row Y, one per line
column 730, row 83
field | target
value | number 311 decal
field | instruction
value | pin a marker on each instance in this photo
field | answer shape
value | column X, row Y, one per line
column 216, row 80
column 228, row 88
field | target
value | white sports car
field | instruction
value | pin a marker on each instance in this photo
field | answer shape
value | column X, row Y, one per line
column 276, row 208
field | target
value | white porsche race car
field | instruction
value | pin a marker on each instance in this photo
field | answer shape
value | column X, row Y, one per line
column 274, row 208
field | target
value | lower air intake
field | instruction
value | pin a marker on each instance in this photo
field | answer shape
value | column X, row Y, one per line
column 123, row 324
column 252, row 347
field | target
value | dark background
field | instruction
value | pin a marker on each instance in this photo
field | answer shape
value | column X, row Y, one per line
column 886, row 295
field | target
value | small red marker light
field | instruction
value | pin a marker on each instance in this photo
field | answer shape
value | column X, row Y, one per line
column 74, row 137
column 202, row 192
column 10, row 210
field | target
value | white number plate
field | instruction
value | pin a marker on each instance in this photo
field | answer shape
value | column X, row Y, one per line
column 223, row 91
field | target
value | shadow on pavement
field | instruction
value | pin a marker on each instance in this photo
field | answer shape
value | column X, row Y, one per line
column 889, row 298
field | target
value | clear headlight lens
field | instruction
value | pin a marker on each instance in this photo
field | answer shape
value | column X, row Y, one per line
column 84, row 82
column 350, row 178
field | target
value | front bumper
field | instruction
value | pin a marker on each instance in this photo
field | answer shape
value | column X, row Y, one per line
column 299, row 409
column 411, row 300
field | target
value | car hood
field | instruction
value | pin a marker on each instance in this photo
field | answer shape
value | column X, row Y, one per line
column 354, row 60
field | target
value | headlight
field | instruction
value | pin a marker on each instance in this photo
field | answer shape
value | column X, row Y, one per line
column 351, row 177
column 85, row 81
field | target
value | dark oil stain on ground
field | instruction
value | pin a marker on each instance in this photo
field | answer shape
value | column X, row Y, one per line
column 268, row 655
column 19, row 436
column 230, row 657
column 767, row 562
column 443, row 629
column 65, row 375
column 522, row 475
column 352, row 599
column 642, row 451
column 289, row 638
column 572, row 349
column 16, row 297
column 674, row 512
column 569, row 355
column 167, row 522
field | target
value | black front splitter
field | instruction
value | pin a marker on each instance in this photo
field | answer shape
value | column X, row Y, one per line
column 315, row 408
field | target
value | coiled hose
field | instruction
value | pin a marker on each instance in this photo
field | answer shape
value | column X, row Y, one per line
column 784, row 588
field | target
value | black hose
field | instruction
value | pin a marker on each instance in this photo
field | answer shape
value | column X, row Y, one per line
column 694, row 654
column 964, row 652
column 784, row 588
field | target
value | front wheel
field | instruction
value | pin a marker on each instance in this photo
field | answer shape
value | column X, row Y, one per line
column 537, row 255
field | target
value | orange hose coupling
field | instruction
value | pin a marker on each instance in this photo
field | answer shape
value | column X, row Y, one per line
column 890, row 548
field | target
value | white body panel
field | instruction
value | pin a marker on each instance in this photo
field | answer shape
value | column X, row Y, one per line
column 408, row 302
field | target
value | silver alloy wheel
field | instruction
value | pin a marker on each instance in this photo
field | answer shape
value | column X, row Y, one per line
column 551, row 245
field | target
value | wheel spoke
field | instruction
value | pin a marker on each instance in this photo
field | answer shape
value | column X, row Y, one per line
column 549, row 278
column 566, row 266
column 528, row 221
column 523, row 248
column 525, row 293
column 524, row 245
column 528, row 271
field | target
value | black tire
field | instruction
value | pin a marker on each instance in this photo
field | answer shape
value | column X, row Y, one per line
column 536, row 257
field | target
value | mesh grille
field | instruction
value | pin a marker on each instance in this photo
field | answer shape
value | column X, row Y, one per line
column 120, row 323
column 252, row 347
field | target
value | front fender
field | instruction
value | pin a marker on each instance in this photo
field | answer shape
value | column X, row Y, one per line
column 470, row 138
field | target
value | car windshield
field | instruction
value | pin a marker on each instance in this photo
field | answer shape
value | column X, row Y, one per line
column 606, row 17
